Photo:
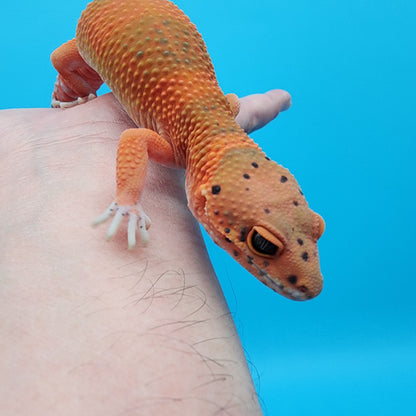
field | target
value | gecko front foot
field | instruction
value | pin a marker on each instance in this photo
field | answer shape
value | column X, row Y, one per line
column 137, row 220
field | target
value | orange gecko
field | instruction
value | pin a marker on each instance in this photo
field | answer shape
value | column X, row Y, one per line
column 156, row 63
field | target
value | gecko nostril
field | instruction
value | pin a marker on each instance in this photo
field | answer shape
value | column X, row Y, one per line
column 292, row 279
column 216, row 189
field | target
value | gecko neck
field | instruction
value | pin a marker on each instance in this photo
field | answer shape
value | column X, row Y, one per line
column 205, row 155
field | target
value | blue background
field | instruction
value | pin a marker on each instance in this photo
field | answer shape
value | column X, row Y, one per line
column 349, row 138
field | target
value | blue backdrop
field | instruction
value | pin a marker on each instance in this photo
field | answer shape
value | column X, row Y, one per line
column 349, row 138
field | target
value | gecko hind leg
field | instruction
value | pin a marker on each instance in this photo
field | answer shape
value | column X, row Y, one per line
column 77, row 82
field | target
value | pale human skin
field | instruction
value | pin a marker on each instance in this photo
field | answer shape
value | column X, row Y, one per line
column 88, row 327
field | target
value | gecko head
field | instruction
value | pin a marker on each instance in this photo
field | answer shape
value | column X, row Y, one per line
column 255, row 210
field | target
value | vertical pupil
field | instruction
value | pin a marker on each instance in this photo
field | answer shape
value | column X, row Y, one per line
column 262, row 245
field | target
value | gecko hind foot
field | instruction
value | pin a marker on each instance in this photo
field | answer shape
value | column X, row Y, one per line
column 68, row 104
column 137, row 220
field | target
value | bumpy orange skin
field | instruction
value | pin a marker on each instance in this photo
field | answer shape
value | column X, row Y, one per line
column 157, row 65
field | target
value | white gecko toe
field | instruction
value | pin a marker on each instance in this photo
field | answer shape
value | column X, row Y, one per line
column 69, row 104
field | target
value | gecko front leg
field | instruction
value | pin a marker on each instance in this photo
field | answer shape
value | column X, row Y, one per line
column 134, row 149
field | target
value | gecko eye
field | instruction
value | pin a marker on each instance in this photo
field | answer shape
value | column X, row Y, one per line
column 262, row 242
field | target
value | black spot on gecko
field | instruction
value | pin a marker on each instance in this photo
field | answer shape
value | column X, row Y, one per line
column 300, row 241
column 228, row 240
column 267, row 211
column 227, row 230
column 283, row 179
column 268, row 159
column 255, row 165
column 296, row 203
column 246, row 176
column 292, row 279
column 243, row 234
column 305, row 256
column 216, row 189
column 236, row 253
column 300, row 191
column 216, row 212
column 250, row 260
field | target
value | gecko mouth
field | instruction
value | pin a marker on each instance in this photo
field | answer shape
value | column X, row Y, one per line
column 276, row 285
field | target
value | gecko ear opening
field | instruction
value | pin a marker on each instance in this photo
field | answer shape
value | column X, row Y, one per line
column 263, row 243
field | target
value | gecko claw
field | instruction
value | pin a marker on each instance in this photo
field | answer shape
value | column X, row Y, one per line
column 138, row 220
